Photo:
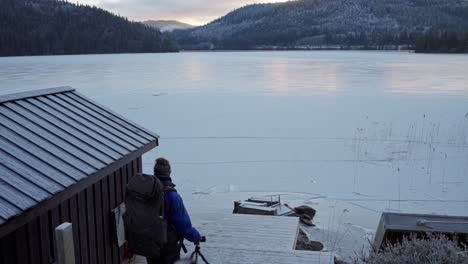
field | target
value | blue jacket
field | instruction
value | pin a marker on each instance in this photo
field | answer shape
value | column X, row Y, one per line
column 176, row 215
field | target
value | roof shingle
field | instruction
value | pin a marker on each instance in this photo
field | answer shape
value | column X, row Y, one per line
column 51, row 139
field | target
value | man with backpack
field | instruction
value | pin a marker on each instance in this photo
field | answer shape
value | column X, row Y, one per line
column 156, row 220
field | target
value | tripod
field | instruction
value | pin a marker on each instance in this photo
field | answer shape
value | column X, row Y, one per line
column 195, row 254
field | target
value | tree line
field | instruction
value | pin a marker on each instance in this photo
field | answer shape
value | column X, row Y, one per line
column 54, row 27
column 442, row 42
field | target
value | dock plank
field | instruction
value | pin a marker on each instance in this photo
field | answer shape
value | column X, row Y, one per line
column 251, row 232
column 253, row 239
column 256, row 256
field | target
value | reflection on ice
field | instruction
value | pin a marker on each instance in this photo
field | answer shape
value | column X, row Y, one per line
column 407, row 77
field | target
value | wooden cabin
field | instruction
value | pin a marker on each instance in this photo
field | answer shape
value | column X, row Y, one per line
column 394, row 226
column 63, row 158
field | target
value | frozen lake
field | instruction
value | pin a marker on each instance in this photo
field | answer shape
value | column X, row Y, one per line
column 366, row 131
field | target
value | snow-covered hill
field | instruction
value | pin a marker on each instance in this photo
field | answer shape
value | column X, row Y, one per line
column 167, row 25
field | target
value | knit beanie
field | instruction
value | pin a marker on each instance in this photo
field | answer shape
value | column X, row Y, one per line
column 162, row 167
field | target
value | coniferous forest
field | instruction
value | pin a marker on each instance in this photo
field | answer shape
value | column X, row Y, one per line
column 46, row 27
column 442, row 42
column 325, row 24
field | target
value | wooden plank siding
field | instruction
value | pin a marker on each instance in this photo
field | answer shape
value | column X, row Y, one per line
column 90, row 213
column 112, row 204
column 34, row 242
column 74, row 219
column 45, row 238
column 120, row 196
column 65, row 211
column 105, row 220
column 99, row 232
column 54, row 222
column 83, row 228
column 21, row 247
column 8, row 245
column 91, row 224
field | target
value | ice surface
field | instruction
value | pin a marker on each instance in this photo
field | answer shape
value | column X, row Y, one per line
column 353, row 132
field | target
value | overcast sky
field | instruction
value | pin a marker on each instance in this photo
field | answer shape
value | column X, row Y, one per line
column 196, row 12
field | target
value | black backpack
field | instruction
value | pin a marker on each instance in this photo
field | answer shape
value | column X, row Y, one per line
column 145, row 227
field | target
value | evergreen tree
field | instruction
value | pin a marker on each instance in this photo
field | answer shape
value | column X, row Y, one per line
column 49, row 27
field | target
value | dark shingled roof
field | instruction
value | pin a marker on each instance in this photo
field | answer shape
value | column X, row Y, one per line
column 51, row 139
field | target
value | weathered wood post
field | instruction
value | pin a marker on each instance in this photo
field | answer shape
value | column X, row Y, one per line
column 65, row 247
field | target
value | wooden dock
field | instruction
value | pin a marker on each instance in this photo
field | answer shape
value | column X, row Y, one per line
column 253, row 239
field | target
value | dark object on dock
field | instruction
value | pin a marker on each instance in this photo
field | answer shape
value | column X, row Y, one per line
column 307, row 210
column 394, row 226
column 305, row 219
column 64, row 158
column 303, row 243
column 305, row 213
column 338, row 261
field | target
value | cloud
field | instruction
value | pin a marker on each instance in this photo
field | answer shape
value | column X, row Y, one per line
column 190, row 11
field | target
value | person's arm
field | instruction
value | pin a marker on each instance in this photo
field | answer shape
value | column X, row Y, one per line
column 177, row 216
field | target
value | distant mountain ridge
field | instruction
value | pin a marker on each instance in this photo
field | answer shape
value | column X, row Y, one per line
column 312, row 23
column 167, row 25
column 52, row 27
